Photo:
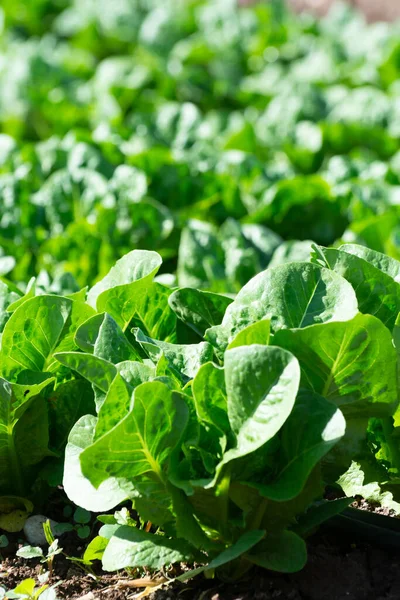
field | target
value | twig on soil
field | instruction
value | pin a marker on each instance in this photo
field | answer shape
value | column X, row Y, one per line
column 150, row 585
column 138, row 583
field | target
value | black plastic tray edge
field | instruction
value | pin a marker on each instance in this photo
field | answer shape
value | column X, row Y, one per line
column 370, row 527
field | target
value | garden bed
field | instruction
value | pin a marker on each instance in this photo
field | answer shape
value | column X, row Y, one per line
column 339, row 568
column 210, row 208
column 345, row 563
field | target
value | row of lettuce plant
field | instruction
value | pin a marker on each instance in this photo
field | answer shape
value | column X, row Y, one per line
column 122, row 121
column 220, row 418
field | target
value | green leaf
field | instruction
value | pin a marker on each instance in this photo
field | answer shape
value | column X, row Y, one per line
column 184, row 359
column 95, row 549
column 62, row 528
column 187, row 526
column 312, row 429
column 262, row 383
column 352, row 364
column 139, row 447
column 26, row 587
column 290, row 296
column 83, row 532
column 68, row 403
column 115, row 406
column 243, row 260
column 154, row 315
column 24, row 433
column 291, row 251
column 30, row 292
column 14, row 512
column 199, row 310
column 81, row 515
column 130, row 547
column 301, row 206
column 7, row 297
column 320, row 513
column 210, row 398
column 285, row 552
column 384, row 263
column 135, row 373
column 362, row 479
column 32, row 334
column 96, row 370
column 200, row 260
column 257, row 333
column 87, row 333
column 117, row 292
column 111, row 343
column 30, row 552
column 377, row 293
column 164, row 372
column 80, row 312
column 247, row 541
column 78, row 488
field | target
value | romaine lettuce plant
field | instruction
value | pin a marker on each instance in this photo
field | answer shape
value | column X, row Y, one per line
column 224, row 444
column 212, row 463
column 221, row 419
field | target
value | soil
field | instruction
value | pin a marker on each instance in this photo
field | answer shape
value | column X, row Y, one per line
column 340, row 567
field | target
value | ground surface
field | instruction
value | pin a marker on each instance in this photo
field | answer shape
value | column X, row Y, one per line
column 338, row 569
column 341, row 566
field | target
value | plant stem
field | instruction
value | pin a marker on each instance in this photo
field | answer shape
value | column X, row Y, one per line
column 258, row 514
column 15, row 466
column 222, row 493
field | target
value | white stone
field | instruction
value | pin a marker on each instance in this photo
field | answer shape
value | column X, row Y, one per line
column 33, row 529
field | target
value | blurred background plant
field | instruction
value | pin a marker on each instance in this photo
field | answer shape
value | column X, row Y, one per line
column 210, row 133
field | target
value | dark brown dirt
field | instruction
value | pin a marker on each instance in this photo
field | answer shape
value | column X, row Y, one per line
column 339, row 568
column 362, row 504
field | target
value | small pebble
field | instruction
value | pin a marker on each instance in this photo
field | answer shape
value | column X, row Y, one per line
column 33, row 529
column 88, row 596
